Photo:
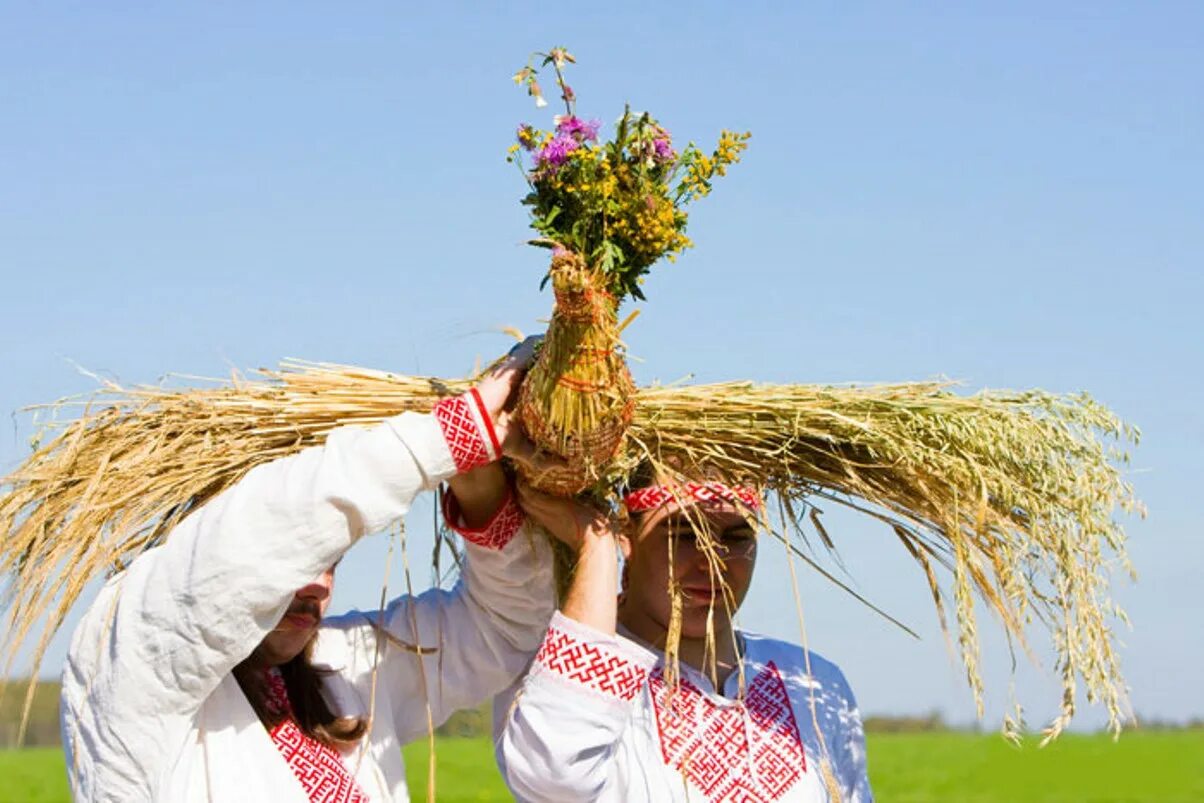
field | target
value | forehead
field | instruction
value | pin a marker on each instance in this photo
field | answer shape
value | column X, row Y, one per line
column 720, row 515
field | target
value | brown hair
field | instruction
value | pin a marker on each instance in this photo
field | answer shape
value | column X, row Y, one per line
column 303, row 682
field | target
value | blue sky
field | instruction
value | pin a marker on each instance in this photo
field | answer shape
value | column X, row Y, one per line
column 1009, row 197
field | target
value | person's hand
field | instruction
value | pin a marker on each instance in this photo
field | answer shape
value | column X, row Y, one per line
column 569, row 520
column 499, row 392
column 480, row 491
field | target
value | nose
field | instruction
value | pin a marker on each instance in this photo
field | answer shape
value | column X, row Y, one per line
column 320, row 589
column 694, row 559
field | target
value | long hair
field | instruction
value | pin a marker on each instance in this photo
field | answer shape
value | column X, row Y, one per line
column 303, row 682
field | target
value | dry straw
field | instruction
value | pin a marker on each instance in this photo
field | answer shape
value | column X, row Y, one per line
column 577, row 400
column 1013, row 494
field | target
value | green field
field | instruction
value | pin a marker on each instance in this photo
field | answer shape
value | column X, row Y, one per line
column 1167, row 767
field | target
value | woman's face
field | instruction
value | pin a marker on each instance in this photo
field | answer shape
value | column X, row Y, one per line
column 666, row 546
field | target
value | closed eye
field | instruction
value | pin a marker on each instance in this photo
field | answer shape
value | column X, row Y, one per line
column 739, row 534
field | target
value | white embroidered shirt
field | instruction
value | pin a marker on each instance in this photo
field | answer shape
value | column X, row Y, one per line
column 150, row 710
column 595, row 720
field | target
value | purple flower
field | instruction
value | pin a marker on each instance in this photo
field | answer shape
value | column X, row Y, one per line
column 556, row 152
column 662, row 151
column 577, row 128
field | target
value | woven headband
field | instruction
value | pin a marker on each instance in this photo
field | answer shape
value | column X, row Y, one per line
column 654, row 496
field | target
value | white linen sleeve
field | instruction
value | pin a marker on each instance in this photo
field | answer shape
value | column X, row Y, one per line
column 163, row 633
column 559, row 735
column 456, row 648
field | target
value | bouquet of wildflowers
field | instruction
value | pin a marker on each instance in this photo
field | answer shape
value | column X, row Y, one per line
column 619, row 204
column 609, row 210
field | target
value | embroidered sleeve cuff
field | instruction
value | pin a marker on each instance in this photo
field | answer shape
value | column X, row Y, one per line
column 468, row 430
column 497, row 532
column 592, row 660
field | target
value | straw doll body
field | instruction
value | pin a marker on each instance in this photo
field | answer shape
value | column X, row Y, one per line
column 207, row 671
column 605, row 715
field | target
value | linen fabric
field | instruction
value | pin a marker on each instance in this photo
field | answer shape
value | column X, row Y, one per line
column 595, row 719
column 150, row 709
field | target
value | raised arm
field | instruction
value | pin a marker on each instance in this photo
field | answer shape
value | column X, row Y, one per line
column 559, row 737
column 449, row 649
column 163, row 634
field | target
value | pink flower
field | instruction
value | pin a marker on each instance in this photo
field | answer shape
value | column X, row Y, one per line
column 662, row 151
column 556, row 152
column 577, row 128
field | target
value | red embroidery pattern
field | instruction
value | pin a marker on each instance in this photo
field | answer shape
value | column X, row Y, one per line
column 318, row 767
column 497, row 532
column 495, row 448
column 654, row 496
column 460, row 419
column 595, row 667
column 748, row 752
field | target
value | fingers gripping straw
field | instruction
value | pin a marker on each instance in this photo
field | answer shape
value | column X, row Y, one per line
column 609, row 211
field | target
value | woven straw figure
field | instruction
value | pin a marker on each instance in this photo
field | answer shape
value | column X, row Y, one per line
column 578, row 398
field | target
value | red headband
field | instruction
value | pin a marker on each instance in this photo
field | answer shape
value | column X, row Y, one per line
column 654, row 496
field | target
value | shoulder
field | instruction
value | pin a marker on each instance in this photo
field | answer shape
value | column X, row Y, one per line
column 96, row 624
column 797, row 666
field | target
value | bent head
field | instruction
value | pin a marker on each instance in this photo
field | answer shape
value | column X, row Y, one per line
column 288, row 648
column 299, row 625
column 705, row 548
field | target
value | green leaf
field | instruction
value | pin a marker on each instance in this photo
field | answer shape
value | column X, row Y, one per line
column 606, row 260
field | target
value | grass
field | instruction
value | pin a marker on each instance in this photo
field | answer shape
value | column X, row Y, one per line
column 904, row 768
column 33, row 775
column 1155, row 766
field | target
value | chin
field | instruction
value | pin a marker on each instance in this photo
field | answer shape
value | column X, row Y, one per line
column 279, row 651
column 695, row 627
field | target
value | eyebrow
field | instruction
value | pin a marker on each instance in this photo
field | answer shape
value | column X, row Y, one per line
column 678, row 521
